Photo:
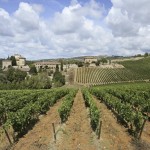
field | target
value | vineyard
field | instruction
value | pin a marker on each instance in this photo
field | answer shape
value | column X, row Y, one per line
column 141, row 67
column 20, row 109
column 131, row 104
column 77, row 117
column 97, row 76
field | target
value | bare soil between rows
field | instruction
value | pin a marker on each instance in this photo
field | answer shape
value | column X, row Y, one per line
column 117, row 136
column 76, row 133
column 38, row 138
column 113, row 135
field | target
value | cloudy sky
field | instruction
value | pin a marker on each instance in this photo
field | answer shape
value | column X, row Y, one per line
column 39, row 29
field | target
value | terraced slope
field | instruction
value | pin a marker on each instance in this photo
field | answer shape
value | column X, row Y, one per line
column 104, row 75
column 142, row 67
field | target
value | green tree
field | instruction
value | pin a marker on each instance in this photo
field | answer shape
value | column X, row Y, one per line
column 0, row 65
column 104, row 60
column 46, row 67
column 97, row 63
column 80, row 64
column 12, row 58
column 40, row 81
column 57, row 68
column 10, row 74
column 33, row 70
column 15, row 75
column 58, row 79
column 61, row 67
column 3, row 78
column 146, row 54
column 19, row 75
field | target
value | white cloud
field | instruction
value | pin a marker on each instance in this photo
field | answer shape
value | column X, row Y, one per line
column 120, row 23
column 67, row 21
column 5, row 23
column 129, row 22
column 72, row 18
column 79, row 29
column 38, row 8
column 27, row 17
column 93, row 9
column 126, row 17
column 138, row 10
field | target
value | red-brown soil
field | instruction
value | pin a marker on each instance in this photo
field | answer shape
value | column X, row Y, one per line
column 146, row 132
column 4, row 143
column 76, row 133
column 41, row 134
column 113, row 134
column 117, row 136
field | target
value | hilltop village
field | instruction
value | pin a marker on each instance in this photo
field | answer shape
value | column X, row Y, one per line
column 19, row 62
column 18, row 72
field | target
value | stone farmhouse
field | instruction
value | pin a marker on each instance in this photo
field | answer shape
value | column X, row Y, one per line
column 47, row 64
column 6, row 63
column 20, row 63
column 90, row 59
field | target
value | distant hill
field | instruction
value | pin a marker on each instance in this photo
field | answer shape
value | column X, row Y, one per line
column 141, row 67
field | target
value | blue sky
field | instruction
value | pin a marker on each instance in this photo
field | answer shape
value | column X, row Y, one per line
column 50, row 6
column 40, row 29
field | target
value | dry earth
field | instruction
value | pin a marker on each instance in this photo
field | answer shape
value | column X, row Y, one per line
column 38, row 138
column 76, row 133
column 114, row 136
column 117, row 136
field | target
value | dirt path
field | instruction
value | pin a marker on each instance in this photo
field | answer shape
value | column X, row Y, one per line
column 4, row 143
column 146, row 132
column 145, row 138
column 113, row 135
column 41, row 134
column 78, row 133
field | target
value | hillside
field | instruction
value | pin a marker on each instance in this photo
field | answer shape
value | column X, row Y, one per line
column 141, row 67
column 95, row 76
